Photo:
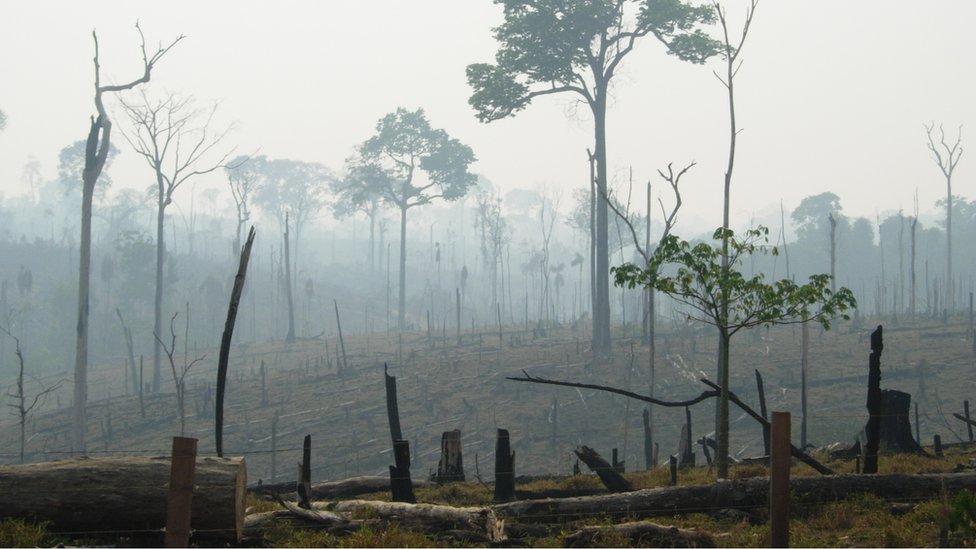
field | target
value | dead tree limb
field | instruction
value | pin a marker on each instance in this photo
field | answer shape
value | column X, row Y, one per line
column 670, row 404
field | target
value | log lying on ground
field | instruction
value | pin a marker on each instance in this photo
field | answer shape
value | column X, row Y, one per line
column 640, row 534
column 737, row 494
column 614, row 481
column 336, row 489
column 123, row 493
column 429, row 516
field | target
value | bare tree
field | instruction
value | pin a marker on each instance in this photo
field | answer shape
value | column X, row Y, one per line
column 947, row 158
column 177, row 142
column 20, row 406
column 179, row 376
column 243, row 177
column 96, row 152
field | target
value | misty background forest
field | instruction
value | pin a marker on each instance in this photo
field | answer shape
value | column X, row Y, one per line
column 411, row 252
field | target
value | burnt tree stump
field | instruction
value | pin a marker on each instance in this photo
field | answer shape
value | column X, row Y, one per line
column 504, row 468
column 451, row 466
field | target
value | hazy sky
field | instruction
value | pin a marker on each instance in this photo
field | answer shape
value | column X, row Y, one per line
column 832, row 94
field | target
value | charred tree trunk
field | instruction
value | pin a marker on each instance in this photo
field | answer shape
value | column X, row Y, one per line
column 225, row 340
column 504, row 468
column 450, row 468
column 610, row 478
column 874, row 403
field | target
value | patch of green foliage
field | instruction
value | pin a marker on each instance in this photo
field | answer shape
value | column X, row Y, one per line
column 23, row 533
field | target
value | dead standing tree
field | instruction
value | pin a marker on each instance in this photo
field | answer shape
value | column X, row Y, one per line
column 96, row 152
column 645, row 252
column 947, row 158
column 174, row 139
column 20, row 406
column 179, row 376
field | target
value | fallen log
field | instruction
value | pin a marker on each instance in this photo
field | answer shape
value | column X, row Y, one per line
column 614, row 481
column 426, row 516
column 744, row 494
column 640, row 534
column 123, row 494
column 335, row 489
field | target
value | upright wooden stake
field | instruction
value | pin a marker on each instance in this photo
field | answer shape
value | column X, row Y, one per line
column 401, row 487
column 779, row 481
column 874, row 404
column 451, row 466
column 673, row 463
column 937, row 442
column 392, row 411
column 180, row 499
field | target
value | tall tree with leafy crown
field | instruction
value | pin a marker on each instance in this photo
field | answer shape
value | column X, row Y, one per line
column 408, row 164
column 548, row 47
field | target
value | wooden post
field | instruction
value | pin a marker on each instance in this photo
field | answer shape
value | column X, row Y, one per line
column 874, row 404
column 965, row 407
column 708, row 454
column 779, row 481
column 937, row 441
column 180, row 499
column 762, row 411
column 304, row 486
column 450, row 468
column 673, row 463
column 504, row 468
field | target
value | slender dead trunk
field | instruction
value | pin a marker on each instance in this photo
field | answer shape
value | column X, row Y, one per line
column 402, row 300
column 158, row 296
column 290, row 336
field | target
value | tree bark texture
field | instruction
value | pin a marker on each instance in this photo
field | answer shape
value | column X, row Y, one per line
column 123, row 493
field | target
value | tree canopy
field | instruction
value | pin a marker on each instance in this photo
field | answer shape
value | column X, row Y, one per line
column 408, row 163
column 553, row 46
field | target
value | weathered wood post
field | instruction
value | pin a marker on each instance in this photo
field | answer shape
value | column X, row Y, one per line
column 450, row 468
column 504, row 468
column 937, row 442
column 779, row 481
column 180, row 500
column 673, row 463
column 874, row 404
column 762, row 411
column 918, row 430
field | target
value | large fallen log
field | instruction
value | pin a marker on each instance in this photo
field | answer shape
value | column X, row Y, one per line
column 736, row 494
column 123, row 494
column 334, row 489
column 426, row 516
column 640, row 534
